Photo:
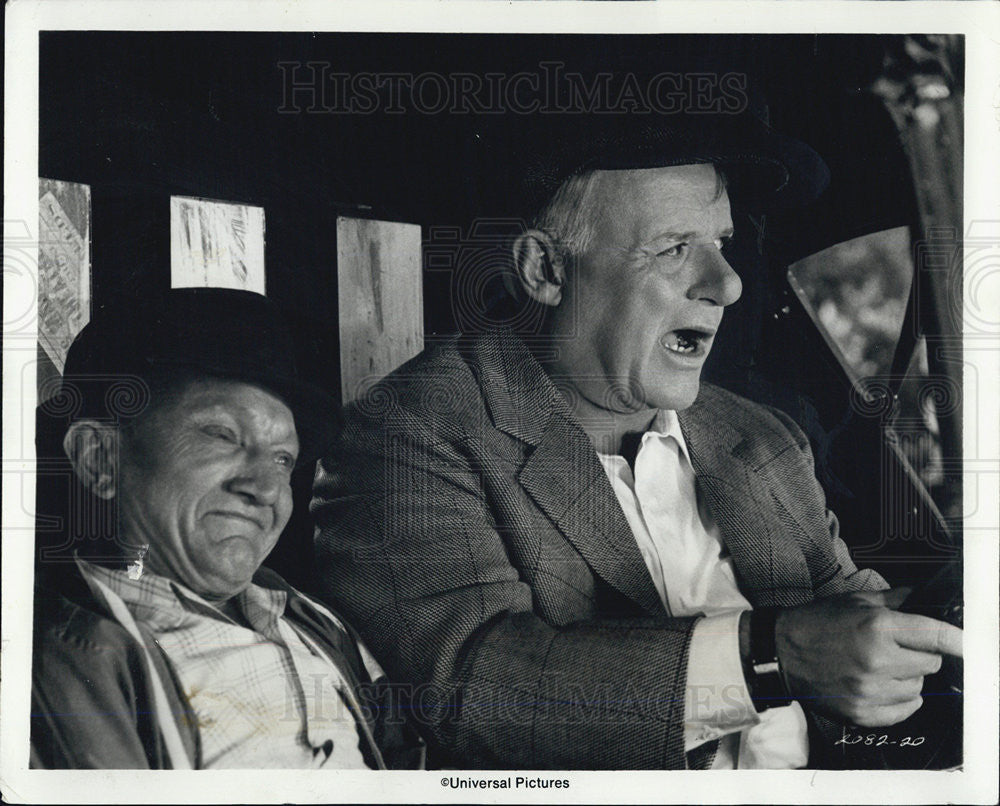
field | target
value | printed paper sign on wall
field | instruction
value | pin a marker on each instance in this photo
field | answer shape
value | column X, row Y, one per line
column 63, row 265
column 216, row 244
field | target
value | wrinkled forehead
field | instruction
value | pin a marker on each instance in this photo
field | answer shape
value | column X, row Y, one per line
column 701, row 183
column 190, row 394
column 689, row 197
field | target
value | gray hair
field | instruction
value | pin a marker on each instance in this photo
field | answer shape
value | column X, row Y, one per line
column 570, row 215
column 568, row 218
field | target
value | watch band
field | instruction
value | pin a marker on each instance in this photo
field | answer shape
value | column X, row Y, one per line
column 767, row 686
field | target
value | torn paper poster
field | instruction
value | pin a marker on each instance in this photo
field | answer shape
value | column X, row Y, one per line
column 216, row 244
column 63, row 265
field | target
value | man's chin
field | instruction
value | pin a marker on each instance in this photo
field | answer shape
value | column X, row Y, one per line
column 677, row 396
column 232, row 572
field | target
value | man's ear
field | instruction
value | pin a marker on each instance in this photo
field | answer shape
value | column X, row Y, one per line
column 92, row 448
column 540, row 266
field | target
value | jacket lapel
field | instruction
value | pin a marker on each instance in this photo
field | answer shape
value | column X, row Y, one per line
column 562, row 474
column 566, row 480
column 771, row 567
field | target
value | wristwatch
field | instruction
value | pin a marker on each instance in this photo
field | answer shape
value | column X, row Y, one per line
column 764, row 678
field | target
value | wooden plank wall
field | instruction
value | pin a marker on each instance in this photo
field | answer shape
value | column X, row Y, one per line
column 380, row 291
column 216, row 244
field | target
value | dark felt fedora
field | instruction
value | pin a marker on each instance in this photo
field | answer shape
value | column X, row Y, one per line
column 224, row 333
column 765, row 169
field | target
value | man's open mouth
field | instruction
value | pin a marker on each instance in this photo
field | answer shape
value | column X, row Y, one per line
column 686, row 341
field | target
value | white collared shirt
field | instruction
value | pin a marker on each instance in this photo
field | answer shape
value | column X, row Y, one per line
column 694, row 574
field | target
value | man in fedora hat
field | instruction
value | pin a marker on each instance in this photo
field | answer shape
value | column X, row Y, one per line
column 591, row 558
column 178, row 649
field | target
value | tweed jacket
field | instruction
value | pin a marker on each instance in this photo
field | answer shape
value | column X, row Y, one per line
column 466, row 527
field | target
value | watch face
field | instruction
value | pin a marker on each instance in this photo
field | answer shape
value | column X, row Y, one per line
column 769, row 667
column 768, row 689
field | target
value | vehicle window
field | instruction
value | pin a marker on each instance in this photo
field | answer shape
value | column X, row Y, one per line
column 856, row 293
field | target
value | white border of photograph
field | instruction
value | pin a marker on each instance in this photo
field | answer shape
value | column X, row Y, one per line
column 978, row 21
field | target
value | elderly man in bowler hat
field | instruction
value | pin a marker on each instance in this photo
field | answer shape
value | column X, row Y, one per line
column 181, row 651
column 592, row 559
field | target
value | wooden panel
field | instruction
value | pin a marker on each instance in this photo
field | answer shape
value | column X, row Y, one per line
column 216, row 244
column 380, row 300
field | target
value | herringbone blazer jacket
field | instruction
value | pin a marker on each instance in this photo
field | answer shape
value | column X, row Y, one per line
column 467, row 528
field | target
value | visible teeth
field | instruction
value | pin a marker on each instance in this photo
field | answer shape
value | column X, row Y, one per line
column 679, row 343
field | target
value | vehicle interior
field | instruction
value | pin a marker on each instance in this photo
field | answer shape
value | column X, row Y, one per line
column 850, row 319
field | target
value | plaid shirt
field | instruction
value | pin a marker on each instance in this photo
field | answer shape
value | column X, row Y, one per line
column 264, row 697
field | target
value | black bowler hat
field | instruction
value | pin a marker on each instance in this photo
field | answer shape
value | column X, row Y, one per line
column 218, row 332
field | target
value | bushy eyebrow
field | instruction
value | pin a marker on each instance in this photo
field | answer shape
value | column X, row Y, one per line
column 240, row 417
column 687, row 236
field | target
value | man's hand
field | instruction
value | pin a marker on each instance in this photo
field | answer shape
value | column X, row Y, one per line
column 855, row 657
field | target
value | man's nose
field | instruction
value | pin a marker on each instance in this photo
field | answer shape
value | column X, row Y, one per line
column 258, row 482
column 714, row 280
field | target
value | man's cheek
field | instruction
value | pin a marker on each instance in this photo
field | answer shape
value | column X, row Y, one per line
column 283, row 514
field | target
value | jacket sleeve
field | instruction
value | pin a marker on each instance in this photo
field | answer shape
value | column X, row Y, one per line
column 87, row 711
column 847, row 576
column 826, row 750
column 410, row 551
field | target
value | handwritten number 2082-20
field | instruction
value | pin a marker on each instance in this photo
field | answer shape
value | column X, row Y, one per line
column 876, row 740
